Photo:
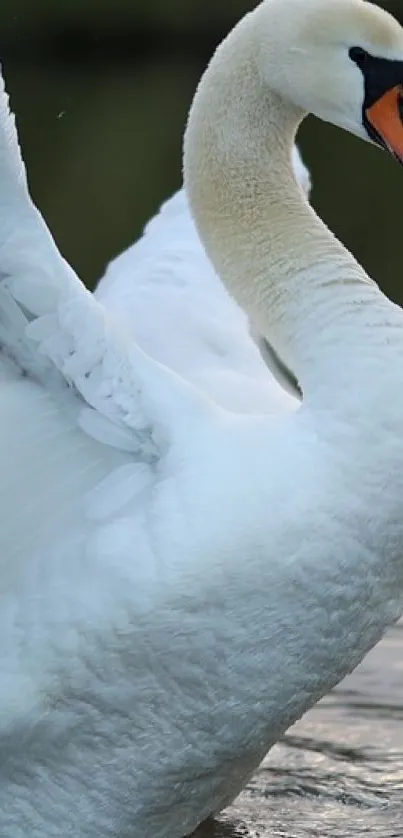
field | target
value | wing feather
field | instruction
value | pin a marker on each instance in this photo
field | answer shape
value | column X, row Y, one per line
column 57, row 333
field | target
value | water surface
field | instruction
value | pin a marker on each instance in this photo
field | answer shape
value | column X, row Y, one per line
column 338, row 773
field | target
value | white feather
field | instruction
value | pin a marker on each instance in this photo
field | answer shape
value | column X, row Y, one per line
column 189, row 558
column 166, row 292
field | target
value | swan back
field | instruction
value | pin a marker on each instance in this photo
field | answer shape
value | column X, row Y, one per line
column 166, row 291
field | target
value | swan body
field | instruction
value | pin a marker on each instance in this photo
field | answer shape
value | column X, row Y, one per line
column 181, row 581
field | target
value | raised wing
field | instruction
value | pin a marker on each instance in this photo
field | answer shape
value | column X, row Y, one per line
column 54, row 331
column 85, row 419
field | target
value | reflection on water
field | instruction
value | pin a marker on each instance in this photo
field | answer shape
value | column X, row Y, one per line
column 339, row 772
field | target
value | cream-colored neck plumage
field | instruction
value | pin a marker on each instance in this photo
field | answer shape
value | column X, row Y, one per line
column 276, row 257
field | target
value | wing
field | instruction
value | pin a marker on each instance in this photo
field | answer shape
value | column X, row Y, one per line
column 54, row 331
column 79, row 399
column 85, row 416
column 166, row 290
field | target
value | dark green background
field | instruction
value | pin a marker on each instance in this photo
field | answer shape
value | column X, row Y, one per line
column 101, row 89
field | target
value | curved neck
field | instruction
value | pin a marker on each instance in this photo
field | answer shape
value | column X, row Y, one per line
column 276, row 257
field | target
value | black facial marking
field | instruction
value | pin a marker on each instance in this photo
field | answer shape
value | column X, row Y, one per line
column 380, row 75
column 359, row 55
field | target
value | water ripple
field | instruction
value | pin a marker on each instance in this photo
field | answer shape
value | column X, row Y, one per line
column 339, row 772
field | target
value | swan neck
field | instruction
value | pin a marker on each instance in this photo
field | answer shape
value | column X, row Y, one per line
column 276, row 257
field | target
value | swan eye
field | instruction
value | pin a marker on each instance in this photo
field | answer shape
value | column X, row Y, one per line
column 358, row 55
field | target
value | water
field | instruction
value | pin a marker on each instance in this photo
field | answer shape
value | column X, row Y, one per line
column 338, row 773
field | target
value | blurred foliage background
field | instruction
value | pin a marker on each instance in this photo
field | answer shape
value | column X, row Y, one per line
column 101, row 90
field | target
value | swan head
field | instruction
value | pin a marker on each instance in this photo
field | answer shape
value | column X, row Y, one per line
column 341, row 60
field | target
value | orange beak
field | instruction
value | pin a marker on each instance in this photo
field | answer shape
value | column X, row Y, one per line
column 386, row 118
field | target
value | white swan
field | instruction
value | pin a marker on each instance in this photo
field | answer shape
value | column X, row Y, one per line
column 181, row 582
